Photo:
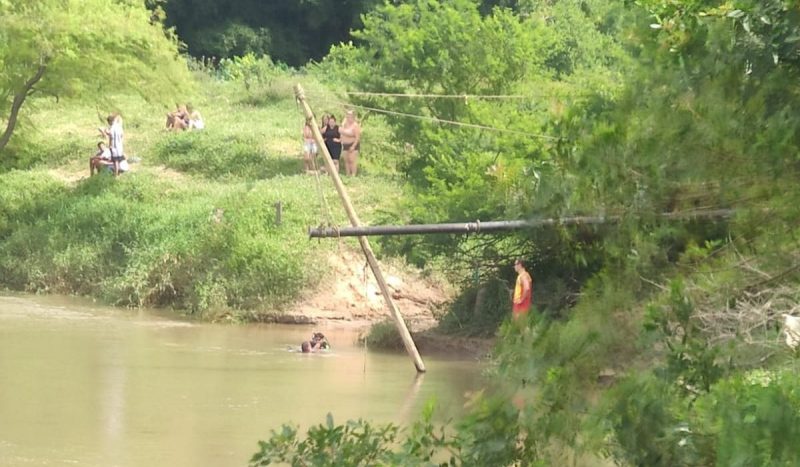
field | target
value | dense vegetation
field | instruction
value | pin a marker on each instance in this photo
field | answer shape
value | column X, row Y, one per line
column 288, row 31
column 654, row 341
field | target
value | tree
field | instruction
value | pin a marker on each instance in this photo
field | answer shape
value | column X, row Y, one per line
column 555, row 54
column 86, row 48
column 290, row 31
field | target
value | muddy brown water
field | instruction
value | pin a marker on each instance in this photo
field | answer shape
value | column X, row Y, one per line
column 86, row 385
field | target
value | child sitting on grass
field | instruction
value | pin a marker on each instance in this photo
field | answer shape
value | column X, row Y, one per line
column 102, row 158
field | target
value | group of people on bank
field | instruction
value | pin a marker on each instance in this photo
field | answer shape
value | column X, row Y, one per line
column 342, row 142
column 185, row 118
column 110, row 154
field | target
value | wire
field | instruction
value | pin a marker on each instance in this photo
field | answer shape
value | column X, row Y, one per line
column 448, row 122
column 438, row 96
column 321, row 191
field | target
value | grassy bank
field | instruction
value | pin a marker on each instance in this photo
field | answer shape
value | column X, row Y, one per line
column 194, row 225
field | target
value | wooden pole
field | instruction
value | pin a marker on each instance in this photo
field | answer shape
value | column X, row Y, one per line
column 408, row 342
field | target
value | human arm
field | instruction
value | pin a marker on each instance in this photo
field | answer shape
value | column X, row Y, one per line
column 526, row 287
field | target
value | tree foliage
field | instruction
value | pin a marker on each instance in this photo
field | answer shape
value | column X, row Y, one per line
column 635, row 109
column 86, row 48
column 290, row 31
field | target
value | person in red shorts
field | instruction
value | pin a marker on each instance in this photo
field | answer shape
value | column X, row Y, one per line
column 522, row 291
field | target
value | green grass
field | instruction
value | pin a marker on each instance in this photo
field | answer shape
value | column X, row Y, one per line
column 193, row 226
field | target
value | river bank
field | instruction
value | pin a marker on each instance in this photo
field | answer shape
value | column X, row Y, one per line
column 194, row 226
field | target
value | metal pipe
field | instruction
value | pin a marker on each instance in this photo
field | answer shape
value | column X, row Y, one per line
column 495, row 226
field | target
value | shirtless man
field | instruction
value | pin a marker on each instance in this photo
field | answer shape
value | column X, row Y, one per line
column 350, row 132
column 178, row 120
column 318, row 342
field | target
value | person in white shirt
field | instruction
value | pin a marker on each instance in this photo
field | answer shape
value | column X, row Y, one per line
column 102, row 158
column 116, row 135
column 196, row 121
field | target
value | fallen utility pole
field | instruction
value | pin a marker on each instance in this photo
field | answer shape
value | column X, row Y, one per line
column 408, row 342
column 497, row 226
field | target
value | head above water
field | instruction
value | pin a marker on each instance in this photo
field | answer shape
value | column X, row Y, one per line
column 305, row 347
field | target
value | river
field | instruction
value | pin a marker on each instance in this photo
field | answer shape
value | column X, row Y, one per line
column 87, row 385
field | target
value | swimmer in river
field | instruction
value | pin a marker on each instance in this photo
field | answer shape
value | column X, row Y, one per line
column 318, row 342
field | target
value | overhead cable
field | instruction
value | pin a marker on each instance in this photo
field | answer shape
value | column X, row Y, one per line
column 447, row 122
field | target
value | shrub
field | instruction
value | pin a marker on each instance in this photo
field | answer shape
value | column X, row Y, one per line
column 384, row 335
column 215, row 154
column 479, row 310
column 488, row 436
column 137, row 240
column 248, row 69
column 753, row 419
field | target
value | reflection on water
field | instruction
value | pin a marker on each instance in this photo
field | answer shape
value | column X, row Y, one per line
column 93, row 386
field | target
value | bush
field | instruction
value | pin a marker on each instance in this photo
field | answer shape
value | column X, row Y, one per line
column 30, row 151
column 248, row 69
column 354, row 443
column 215, row 154
column 384, row 335
column 137, row 240
column 488, row 436
column 753, row 419
column 479, row 310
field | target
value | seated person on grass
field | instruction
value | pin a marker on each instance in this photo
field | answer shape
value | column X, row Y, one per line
column 102, row 158
column 195, row 119
column 178, row 120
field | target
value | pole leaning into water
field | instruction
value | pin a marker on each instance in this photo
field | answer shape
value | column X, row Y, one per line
column 408, row 342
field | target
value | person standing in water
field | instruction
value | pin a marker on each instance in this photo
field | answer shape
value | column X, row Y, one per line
column 318, row 342
column 523, row 291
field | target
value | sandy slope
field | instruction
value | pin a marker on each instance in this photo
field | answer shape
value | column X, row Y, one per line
column 350, row 293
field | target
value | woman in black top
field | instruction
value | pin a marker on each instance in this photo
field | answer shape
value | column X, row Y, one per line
column 333, row 140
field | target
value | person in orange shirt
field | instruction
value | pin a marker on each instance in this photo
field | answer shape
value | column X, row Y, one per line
column 523, row 291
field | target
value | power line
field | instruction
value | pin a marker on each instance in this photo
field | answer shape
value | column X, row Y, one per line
column 443, row 121
column 438, row 96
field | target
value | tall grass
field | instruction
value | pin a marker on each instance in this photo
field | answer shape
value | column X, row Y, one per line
column 140, row 240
